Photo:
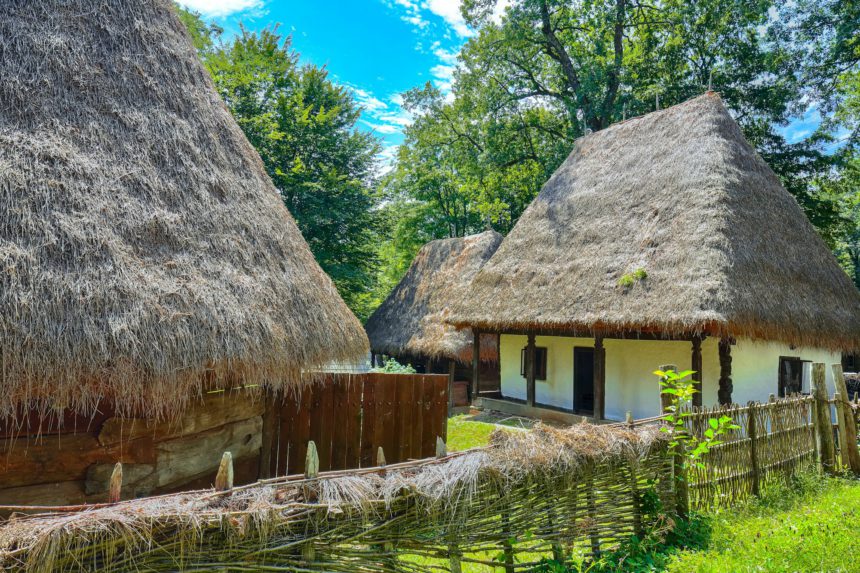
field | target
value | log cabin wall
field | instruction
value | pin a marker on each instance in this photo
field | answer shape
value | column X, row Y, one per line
column 46, row 462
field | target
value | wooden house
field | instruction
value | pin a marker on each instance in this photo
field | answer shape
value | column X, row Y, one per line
column 147, row 258
column 664, row 239
column 410, row 324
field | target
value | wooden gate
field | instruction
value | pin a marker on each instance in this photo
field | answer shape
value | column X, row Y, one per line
column 349, row 416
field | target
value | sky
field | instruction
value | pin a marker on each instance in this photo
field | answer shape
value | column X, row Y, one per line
column 378, row 48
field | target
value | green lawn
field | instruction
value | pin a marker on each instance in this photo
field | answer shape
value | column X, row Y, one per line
column 464, row 433
column 817, row 531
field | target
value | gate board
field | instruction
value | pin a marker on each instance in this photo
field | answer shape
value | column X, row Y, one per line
column 349, row 416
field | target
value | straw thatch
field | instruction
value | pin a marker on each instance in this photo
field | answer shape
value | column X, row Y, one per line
column 680, row 194
column 584, row 479
column 412, row 320
column 144, row 248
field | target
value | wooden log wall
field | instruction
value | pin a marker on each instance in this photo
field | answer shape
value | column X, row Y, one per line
column 68, row 459
column 43, row 461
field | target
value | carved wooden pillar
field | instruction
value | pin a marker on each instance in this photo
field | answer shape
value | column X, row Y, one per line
column 476, row 364
column 725, row 392
column 696, row 366
column 599, row 379
column 530, row 371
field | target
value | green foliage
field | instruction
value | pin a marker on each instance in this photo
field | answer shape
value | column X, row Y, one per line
column 304, row 126
column 629, row 279
column 392, row 366
column 681, row 389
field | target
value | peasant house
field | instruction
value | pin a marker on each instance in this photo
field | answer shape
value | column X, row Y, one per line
column 662, row 240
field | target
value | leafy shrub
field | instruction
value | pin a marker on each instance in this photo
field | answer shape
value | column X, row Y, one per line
column 628, row 279
column 392, row 366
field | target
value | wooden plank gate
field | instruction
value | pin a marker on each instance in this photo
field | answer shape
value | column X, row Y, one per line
column 350, row 416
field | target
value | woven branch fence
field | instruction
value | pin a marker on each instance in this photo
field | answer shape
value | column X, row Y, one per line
column 564, row 494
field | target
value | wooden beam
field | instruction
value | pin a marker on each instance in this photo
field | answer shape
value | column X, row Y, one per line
column 724, row 394
column 599, row 379
column 476, row 365
column 530, row 370
column 696, row 366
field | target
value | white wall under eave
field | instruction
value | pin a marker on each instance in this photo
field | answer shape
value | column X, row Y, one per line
column 630, row 382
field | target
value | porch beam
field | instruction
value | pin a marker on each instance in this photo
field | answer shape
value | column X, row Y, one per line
column 724, row 394
column 476, row 364
column 696, row 366
column 599, row 379
column 530, row 370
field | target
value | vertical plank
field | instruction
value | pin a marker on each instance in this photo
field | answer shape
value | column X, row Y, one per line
column 289, row 409
column 441, row 407
column 339, row 421
column 268, row 432
column 369, row 421
column 301, row 430
column 353, row 420
column 848, row 421
column 405, row 386
column 387, row 429
column 416, row 418
column 321, row 419
column 428, row 433
column 827, row 449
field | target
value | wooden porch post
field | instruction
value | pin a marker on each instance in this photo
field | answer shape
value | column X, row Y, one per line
column 696, row 366
column 599, row 379
column 452, row 368
column 725, row 392
column 476, row 364
column 530, row 371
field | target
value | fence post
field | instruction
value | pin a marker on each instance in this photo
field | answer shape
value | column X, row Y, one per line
column 224, row 478
column 850, row 452
column 824, row 428
column 752, row 433
column 115, row 487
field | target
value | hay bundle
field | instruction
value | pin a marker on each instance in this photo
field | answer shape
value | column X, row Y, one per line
column 667, row 223
column 144, row 248
column 411, row 321
column 415, row 508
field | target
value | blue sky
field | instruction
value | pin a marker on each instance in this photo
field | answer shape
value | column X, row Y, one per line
column 379, row 48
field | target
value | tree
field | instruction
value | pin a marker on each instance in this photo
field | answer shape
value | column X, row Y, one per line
column 304, row 127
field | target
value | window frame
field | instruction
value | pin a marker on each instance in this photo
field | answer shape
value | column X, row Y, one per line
column 541, row 359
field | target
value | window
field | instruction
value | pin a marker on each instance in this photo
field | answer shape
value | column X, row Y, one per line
column 790, row 376
column 540, row 362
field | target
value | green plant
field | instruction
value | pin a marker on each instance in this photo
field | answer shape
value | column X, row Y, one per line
column 681, row 389
column 392, row 366
column 628, row 279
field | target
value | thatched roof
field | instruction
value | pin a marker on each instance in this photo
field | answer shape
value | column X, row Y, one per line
column 411, row 321
column 143, row 247
column 680, row 194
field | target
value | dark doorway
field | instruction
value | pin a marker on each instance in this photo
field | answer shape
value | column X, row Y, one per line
column 790, row 376
column 583, row 380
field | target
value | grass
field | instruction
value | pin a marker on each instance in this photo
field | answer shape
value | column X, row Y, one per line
column 812, row 528
column 465, row 433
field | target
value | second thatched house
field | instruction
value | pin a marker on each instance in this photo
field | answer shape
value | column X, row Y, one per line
column 410, row 325
column 665, row 239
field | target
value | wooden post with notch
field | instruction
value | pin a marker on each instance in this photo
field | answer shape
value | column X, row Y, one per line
column 841, row 430
column 850, row 452
column 823, row 425
column 452, row 369
column 724, row 393
column 696, row 367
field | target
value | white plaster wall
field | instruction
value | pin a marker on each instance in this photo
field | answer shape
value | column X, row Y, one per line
column 630, row 382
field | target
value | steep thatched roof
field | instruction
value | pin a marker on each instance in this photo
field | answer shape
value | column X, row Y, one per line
column 411, row 320
column 143, row 247
column 680, row 194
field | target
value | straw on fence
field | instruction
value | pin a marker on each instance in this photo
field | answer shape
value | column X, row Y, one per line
column 537, row 492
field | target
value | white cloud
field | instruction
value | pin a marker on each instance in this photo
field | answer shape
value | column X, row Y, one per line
column 381, row 127
column 443, row 77
column 449, row 10
column 220, row 8
column 448, row 57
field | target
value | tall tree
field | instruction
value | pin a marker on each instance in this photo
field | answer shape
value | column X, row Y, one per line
column 304, row 127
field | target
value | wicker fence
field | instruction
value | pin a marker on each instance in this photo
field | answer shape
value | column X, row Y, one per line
column 562, row 494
